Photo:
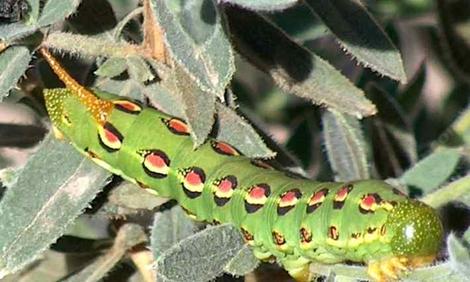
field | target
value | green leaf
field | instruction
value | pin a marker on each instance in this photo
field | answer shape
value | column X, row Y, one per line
column 294, row 69
column 242, row 263
column 198, row 106
column 14, row 31
column 82, row 45
column 345, row 146
column 112, row 67
column 359, row 34
column 129, row 235
column 300, row 23
column 138, row 69
column 54, row 187
column 57, row 10
column 459, row 256
column 235, row 130
column 458, row 190
column 433, row 170
column 170, row 227
column 126, row 88
column 268, row 5
column 197, row 41
column 201, row 257
column 33, row 13
column 13, row 62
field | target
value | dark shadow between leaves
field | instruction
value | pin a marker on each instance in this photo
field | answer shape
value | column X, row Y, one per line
column 267, row 46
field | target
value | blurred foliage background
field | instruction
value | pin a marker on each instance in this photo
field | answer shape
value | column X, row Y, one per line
column 414, row 129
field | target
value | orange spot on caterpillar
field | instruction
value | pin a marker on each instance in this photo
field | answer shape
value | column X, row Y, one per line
column 109, row 137
column 224, row 189
column 316, row 200
column 288, row 200
column 369, row 203
column 193, row 182
column 261, row 164
column 156, row 163
column 224, row 148
column 257, row 197
column 176, row 126
column 127, row 106
column 341, row 195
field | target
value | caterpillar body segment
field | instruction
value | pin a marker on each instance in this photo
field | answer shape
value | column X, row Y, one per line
column 295, row 220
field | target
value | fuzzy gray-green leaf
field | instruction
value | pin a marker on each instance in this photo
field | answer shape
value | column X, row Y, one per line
column 236, row 131
column 457, row 190
column 33, row 13
column 268, row 5
column 360, row 34
column 294, row 69
column 198, row 106
column 57, row 10
column 55, row 186
column 197, row 41
column 459, row 256
column 242, row 263
column 138, row 69
column 201, row 257
column 18, row 30
column 112, row 67
column 13, row 63
column 345, row 146
column 433, row 170
column 170, row 227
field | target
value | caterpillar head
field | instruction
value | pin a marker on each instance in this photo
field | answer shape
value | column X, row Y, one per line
column 417, row 232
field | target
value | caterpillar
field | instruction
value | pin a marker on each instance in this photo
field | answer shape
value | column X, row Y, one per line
column 296, row 221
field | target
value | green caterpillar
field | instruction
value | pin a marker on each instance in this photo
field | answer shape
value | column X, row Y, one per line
column 295, row 220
